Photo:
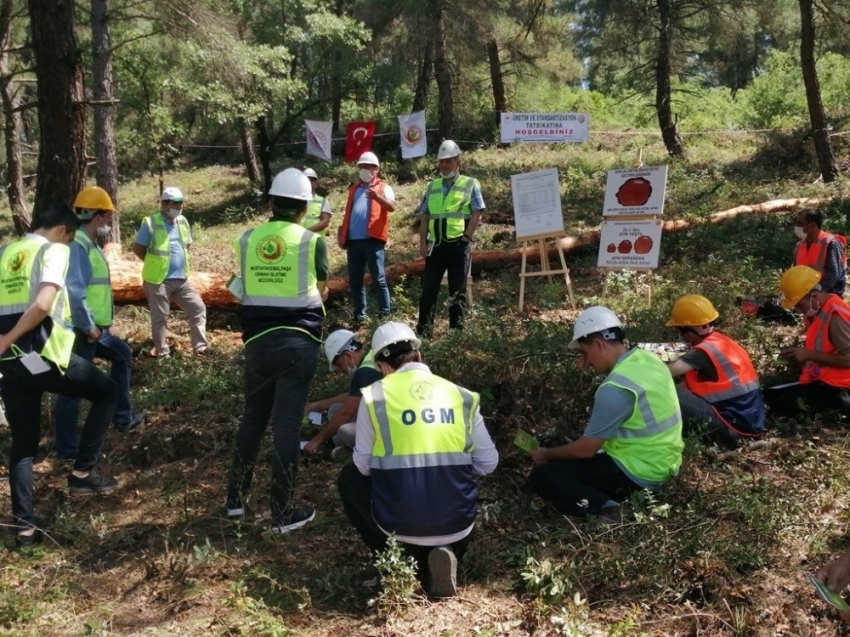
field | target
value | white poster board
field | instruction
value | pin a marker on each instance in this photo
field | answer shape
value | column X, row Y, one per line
column 545, row 127
column 630, row 244
column 635, row 191
column 537, row 204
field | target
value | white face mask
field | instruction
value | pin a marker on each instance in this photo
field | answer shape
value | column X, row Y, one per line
column 812, row 311
column 173, row 213
column 365, row 175
column 351, row 371
column 449, row 175
column 801, row 234
column 103, row 231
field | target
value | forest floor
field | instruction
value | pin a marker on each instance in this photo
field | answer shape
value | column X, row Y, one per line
column 724, row 552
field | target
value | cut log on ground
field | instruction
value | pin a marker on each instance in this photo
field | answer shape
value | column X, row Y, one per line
column 127, row 272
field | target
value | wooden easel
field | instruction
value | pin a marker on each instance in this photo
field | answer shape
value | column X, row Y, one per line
column 545, row 267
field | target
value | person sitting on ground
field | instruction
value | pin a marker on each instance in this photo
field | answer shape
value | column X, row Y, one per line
column 720, row 396
column 634, row 438
column 825, row 377
column 420, row 441
column 346, row 355
column 825, row 253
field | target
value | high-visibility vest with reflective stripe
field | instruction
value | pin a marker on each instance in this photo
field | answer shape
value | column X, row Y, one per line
column 21, row 263
column 649, row 444
column 314, row 214
column 421, row 470
column 736, row 393
column 158, row 255
column 454, row 208
column 368, row 361
column 99, row 289
column 814, row 256
column 817, row 339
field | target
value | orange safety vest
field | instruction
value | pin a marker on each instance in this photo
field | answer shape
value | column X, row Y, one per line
column 378, row 227
column 736, row 374
column 817, row 339
column 814, row 255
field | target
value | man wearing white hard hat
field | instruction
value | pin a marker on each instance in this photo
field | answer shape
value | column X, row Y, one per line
column 347, row 355
column 318, row 210
column 420, row 443
column 163, row 244
column 283, row 268
column 634, row 438
column 363, row 235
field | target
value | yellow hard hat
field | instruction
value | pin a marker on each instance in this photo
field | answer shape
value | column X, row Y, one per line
column 91, row 199
column 692, row 310
column 796, row 283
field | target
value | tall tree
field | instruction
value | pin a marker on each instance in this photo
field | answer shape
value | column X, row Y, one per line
column 663, row 85
column 441, row 70
column 61, row 107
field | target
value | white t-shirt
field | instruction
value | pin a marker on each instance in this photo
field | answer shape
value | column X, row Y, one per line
column 54, row 267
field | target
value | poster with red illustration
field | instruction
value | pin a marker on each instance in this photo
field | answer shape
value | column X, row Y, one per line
column 630, row 244
column 635, row 191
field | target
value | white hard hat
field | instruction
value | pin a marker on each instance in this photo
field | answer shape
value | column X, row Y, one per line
column 592, row 320
column 335, row 344
column 310, row 173
column 172, row 193
column 368, row 158
column 292, row 183
column 391, row 333
column 448, row 149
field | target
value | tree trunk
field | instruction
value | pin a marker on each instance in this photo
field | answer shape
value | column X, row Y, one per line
column 336, row 80
column 663, row 88
column 423, row 80
column 441, row 71
column 265, row 152
column 61, row 112
column 104, row 114
column 823, row 147
column 500, row 104
column 248, row 152
column 12, row 127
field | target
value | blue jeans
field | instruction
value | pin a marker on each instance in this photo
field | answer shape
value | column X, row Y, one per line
column 108, row 347
column 363, row 253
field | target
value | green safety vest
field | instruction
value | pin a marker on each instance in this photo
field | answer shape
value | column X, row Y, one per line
column 21, row 263
column 99, row 290
column 368, row 361
column 314, row 214
column 649, row 444
column 158, row 254
column 455, row 208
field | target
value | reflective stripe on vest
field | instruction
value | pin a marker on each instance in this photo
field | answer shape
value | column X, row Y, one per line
column 455, row 208
column 817, row 339
column 650, row 424
column 99, row 290
column 736, row 375
column 815, row 255
column 314, row 214
column 158, row 255
column 268, row 280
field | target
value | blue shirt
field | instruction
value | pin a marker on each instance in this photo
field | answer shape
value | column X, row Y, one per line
column 177, row 261
column 358, row 224
column 77, row 283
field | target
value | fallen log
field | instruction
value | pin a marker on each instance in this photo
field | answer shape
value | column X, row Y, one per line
column 127, row 272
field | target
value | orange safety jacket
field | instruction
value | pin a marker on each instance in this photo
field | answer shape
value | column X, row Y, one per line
column 814, row 255
column 817, row 340
column 378, row 227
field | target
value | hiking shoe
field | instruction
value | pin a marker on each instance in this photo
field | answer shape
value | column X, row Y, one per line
column 136, row 420
column 294, row 518
column 31, row 539
column 442, row 567
column 235, row 507
column 92, row 483
column 614, row 516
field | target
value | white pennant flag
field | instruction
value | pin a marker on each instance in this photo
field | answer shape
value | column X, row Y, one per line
column 319, row 139
column 412, row 130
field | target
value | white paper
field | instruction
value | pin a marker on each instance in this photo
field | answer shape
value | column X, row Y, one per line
column 319, row 139
column 537, row 203
column 35, row 363
column 545, row 127
column 315, row 417
column 234, row 285
column 412, row 131
column 304, row 443
column 635, row 191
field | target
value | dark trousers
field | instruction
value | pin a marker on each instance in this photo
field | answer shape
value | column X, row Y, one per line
column 355, row 490
column 279, row 367
column 22, row 392
column 700, row 418
column 454, row 257
column 582, row 487
column 108, row 347
column 795, row 399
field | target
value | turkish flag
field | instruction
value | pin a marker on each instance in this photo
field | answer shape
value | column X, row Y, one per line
column 358, row 139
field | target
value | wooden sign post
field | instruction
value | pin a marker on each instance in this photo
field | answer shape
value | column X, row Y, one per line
column 538, row 219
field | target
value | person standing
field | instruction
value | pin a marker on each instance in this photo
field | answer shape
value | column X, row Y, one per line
column 420, row 442
column 319, row 210
column 90, row 296
column 363, row 235
column 36, row 356
column 283, row 269
column 823, row 252
column 163, row 244
column 450, row 210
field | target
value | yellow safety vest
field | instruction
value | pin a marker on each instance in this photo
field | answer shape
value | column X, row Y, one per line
column 21, row 264
column 314, row 214
column 158, row 254
column 368, row 361
column 99, row 289
column 455, row 208
column 649, row 444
